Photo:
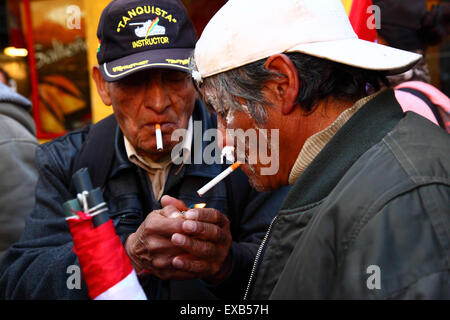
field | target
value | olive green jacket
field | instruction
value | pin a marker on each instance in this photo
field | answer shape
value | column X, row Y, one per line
column 369, row 218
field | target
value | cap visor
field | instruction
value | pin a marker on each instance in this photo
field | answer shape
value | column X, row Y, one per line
column 177, row 59
column 361, row 54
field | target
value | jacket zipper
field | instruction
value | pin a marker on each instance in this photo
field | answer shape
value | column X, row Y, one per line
column 258, row 254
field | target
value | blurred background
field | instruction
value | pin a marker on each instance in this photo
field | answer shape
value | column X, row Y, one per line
column 48, row 49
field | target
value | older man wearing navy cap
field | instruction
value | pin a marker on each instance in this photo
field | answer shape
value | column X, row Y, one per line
column 143, row 56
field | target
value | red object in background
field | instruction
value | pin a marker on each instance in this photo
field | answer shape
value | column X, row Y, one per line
column 201, row 11
column 59, row 75
column 34, row 74
column 16, row 38
column 362, row 20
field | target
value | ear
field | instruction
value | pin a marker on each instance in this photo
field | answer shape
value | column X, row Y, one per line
column 285, row 88
column 102, row 86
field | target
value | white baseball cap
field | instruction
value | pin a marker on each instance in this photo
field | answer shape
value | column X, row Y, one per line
column 245, row 31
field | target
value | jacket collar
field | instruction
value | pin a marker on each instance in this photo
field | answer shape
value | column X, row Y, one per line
column 366, row 128
column 314, row 144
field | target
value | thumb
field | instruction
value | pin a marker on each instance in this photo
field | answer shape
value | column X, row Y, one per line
column 168, row 200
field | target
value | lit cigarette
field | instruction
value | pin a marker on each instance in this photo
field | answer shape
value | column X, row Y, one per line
column 159, row 141
column 219, row 178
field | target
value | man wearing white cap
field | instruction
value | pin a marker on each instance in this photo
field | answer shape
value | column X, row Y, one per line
column 205, row 253
column 368, row 214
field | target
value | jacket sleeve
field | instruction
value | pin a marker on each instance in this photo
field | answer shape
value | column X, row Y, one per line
column 17, row 184
column 422, row 238
column 41, row 264
column 407, row 241
column 251, row 214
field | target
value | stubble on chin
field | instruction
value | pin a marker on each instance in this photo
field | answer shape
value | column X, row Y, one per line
column 255, row 179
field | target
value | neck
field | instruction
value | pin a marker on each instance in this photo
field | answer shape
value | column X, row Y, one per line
column 324, row 115
column 307, row 124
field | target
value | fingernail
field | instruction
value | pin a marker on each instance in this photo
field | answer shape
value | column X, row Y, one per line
column 178, row 263
column 178, row 239
column 191, row 214
column 190, row 226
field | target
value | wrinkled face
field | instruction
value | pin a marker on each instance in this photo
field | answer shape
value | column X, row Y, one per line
column 144, row 99
column 256, row 163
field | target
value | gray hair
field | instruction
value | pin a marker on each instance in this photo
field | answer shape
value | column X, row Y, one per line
column 242, row 88
column 237, row 90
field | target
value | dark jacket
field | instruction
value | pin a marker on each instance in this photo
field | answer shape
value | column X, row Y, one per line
column 36, row 267
column 369, row 218
column 18, row 174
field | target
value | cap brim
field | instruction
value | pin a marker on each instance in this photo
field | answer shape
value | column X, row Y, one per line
column 176, row 59
column 361, row 54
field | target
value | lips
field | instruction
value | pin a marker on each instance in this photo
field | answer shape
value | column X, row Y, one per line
column 165, row 126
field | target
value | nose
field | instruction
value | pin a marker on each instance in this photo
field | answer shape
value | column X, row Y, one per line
column 157, row 95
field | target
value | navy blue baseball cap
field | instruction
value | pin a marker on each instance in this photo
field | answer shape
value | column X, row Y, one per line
column 141, row 34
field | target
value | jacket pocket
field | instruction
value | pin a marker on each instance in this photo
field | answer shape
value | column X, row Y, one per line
column 126, row 213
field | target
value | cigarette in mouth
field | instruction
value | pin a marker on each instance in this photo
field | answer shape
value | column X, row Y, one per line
column 219, row 178
column 159, row 141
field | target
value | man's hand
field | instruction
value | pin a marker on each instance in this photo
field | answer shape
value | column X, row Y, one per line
column 171, row 245
column 150, row 248
column 206, row 239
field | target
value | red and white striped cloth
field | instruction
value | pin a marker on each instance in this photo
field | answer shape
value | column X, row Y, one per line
column 106, row 266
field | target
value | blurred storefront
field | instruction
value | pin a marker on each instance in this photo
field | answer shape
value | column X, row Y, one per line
column 61, row 44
